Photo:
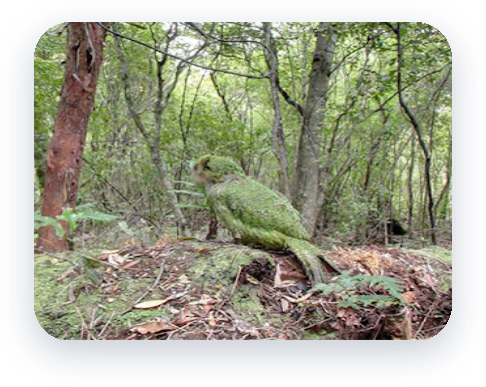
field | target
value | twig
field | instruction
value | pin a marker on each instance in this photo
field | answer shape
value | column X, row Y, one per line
column 147, row 292
column 431, row 309
column 183, row 59
column 106, row 325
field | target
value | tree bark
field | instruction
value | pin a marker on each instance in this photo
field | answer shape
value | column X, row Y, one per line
column 153, row 138
column 278, row 136
column 305, row 186
column 65, row 154
column 410, row 189
column 420, row 138
column 448, row 175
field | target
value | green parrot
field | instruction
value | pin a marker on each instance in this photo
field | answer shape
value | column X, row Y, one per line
column 256, row 215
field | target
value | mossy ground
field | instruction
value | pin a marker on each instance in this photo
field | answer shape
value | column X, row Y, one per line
column 210, row 269
column 64, row 319
column 219, row 291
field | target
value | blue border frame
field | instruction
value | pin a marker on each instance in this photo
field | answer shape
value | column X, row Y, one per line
column 222, row 361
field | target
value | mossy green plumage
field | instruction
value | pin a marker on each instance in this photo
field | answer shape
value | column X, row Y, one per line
column 255, row 214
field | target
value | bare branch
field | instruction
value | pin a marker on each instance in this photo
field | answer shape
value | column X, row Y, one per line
column 186, row 61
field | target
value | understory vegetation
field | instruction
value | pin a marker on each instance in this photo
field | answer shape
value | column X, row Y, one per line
column 351, row 122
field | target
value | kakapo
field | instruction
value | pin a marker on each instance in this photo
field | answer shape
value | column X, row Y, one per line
column 256, row 215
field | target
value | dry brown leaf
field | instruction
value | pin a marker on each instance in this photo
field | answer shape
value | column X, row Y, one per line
column 69, row 273
column 207, row 308
column 184, row 279
column 428, row 278
column 349, row 317
column 162, row 241
column 286, row 276
column 115, row 288
column 298, row 300
column 129, row 265
column 212, row 323
column 175, row 296
column 285, row 305
column 252, row 280
column 153, row 327
column 134, row 241
column 186, row 320
column 410, row 297
column 157, row 303
column 150, row 304
column 116, row 259
column 371, row 262
column 205, row 300
column 202, row 251
column 278, row 277
column 109, row 252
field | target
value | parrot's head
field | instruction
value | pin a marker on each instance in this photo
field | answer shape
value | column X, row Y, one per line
column 213, row 169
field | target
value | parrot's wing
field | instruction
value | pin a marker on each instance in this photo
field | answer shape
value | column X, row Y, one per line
column 243, row 203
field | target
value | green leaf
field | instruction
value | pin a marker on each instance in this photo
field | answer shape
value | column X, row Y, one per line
column 188, row 183
column 125, row 228
column 185, row 192
column 43, row 221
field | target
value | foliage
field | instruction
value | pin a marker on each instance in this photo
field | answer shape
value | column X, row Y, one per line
column 44, row 221
column 72, row 217
column 346, row 287
column 364, row 138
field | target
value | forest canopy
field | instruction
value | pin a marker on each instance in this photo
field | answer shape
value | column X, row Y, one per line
column 170, row 92
column 250, row 180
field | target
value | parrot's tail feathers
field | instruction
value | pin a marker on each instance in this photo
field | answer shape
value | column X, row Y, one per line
column 307, row 254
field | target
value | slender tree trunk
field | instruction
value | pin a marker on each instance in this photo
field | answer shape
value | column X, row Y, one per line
column 411, row 170
column 153, row 139
column 418, row 132
column 305, row 187
column 65, row 154
column 445, row 191
column 278, row 136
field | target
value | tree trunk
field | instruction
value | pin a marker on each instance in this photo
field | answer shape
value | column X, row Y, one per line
column 420, row 138
column 278, row 136
column 305, row 187
column 445, row 191
column 153, row 138
column 410, row 189
column 65, row 154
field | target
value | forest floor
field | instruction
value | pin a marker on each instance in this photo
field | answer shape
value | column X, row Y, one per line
column 196, row 290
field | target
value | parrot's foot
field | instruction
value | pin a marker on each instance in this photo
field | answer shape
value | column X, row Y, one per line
column 307, row 254
column 313, row 269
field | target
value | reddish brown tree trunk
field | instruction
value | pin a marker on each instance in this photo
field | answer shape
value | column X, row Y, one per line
column 65, row 154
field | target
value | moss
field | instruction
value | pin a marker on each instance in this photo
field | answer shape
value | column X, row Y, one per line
column 322, row 335
column 442, row 258
column 219, row 267
column 436, row 252
column 49, row 296
column 248, row 305
column 63, row 320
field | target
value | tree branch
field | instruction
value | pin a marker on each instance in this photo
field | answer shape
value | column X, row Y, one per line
column 186, row 61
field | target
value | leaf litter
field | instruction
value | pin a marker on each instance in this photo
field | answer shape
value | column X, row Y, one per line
column 273, row 303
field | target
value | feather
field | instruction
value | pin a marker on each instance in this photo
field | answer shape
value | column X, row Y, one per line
column 256, row 215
